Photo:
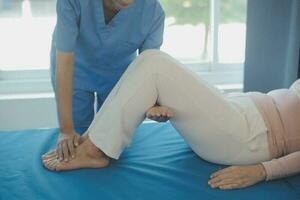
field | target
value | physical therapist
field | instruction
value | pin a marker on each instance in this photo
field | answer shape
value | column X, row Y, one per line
column 93, row 43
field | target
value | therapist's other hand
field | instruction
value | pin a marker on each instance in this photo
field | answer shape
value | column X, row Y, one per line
column 66, row 144
column 237, row 177
column 159, row 113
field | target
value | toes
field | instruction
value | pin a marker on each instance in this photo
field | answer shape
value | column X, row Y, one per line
column 47, row 164
column 50, row 157
column 49, row 154
column 60, row 166
column 51, row 164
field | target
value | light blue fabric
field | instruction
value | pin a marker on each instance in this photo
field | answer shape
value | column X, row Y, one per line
column 84, row 109
column 272, row 44
column 157, row 165
column 102, row 52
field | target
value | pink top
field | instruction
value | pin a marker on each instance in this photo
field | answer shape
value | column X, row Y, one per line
column 281, row 112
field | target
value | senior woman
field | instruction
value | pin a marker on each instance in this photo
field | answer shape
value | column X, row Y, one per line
column 259, row 134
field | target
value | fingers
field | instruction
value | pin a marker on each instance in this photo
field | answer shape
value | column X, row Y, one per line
column 51, row 164
column 169, row 113
column 76, row 140
column 216, row 181
column 234, row 184
column 159, row 113
column 227, row 169
column 222, row 181
column 229, row 186
column 228, row 183
column 159, row 118
column 223, row 178
column 71, row 148
column 52, row 155
column 59, row 152
column 65, row 151
column 231, row 178
column 66, row 148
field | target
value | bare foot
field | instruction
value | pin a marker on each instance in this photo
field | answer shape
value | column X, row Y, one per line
column 83, row 137
column 87, row 156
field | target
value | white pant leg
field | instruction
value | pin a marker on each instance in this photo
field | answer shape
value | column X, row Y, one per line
column 213, row 127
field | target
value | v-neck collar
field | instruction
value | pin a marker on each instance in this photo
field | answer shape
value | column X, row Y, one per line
column 115, row 20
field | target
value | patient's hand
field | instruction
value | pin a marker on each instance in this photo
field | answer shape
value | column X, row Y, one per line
column 237, row 177
column 159, row 113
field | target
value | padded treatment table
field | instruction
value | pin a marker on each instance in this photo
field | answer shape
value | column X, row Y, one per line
column 157, row 165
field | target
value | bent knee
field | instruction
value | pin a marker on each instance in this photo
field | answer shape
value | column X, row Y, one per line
column 147, row 59
column 152, row 60
column 154, row 57
column 151, row 53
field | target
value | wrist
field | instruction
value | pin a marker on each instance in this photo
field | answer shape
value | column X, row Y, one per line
column 262, row 172
column 67, row 130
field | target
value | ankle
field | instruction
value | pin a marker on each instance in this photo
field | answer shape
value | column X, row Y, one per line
column 91, row 149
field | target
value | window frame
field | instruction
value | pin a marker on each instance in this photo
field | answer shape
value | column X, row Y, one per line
column 231, row 74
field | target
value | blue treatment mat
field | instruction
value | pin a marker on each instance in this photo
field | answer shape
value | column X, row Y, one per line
column 158, row 165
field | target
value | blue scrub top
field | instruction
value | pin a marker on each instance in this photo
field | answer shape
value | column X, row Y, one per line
column 104, row 51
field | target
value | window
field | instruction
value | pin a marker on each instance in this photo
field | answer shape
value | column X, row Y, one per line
column 25, row 33
column 206, row 35
column 187, row 29
column 232, row 31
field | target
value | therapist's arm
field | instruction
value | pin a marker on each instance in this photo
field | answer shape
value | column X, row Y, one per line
column 68, row 138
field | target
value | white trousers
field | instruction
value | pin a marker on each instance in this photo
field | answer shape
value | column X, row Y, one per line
column 224, row 129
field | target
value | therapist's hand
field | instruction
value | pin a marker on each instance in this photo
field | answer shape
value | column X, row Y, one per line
column 66, row 144
column 237, row 177
column 159, row 113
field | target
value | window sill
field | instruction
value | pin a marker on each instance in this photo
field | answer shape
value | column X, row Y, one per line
column 38, row 110
column 18, row 88
column 42, row 95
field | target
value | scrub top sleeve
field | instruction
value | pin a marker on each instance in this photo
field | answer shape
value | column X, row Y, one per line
column 154, row 39
column 67, row 25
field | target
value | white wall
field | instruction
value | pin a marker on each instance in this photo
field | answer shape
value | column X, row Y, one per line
column 27, row 112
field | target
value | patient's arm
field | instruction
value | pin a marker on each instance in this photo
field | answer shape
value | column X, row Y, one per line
column 283, row 167
column 243, row 176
